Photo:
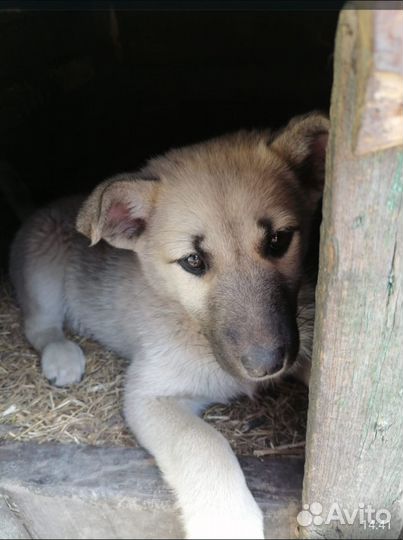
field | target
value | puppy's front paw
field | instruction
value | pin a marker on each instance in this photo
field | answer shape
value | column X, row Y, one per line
column 63, row 363
column 247, row 523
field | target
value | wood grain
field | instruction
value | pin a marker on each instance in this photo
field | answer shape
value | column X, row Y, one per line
column 378, row 61
column 75, row 491
column 355, row 421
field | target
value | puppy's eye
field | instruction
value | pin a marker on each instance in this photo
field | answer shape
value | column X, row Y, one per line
column 278, row 242
column 194, row 264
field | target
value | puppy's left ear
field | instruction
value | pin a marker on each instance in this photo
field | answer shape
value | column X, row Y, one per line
column 302, row 145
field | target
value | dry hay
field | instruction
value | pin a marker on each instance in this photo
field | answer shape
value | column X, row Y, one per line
column 90, row 412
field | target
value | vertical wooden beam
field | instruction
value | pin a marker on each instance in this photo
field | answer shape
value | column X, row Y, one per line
column 355, row 425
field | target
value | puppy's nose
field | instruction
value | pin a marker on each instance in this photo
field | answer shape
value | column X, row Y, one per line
column 261, row 361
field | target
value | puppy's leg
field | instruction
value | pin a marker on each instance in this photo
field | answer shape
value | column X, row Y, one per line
column 37, row 264
column 62, row 361
column 199, row 464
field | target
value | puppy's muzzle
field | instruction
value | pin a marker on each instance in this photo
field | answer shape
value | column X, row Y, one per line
column 263, row 362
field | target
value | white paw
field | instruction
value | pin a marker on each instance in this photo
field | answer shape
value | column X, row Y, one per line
column 63, row 363
column 222, row 529
column 246, row 524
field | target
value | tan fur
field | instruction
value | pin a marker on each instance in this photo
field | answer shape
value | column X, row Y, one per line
column 193, row 339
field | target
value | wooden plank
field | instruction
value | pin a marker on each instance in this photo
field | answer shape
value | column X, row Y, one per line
column 379, row 83
column 11, row 527
column 355, row 421
column 70, row 491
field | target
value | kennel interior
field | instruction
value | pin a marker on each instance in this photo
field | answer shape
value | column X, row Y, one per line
column 87, row 94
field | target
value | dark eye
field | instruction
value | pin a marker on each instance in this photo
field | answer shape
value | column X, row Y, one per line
column 277, row 243
column 194, row 264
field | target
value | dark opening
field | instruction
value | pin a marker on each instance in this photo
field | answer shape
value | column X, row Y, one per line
column 84, row 95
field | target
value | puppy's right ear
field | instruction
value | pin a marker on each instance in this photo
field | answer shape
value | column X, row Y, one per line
column 118, row 210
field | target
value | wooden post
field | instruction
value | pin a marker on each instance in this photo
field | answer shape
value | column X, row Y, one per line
column 354, row 465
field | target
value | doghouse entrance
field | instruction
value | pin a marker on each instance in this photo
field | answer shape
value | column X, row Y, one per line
column 87, row 94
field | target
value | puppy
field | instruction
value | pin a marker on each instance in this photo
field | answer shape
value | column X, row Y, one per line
column 195, row 270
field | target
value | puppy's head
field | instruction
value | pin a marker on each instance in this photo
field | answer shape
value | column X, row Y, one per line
column 221, row 228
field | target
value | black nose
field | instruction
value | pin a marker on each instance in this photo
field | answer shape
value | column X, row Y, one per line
column 261, row 361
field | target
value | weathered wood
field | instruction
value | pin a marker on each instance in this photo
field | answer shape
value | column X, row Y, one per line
column 69, row 491
column 11, row 527
column 379, row 82
column 355, row 421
